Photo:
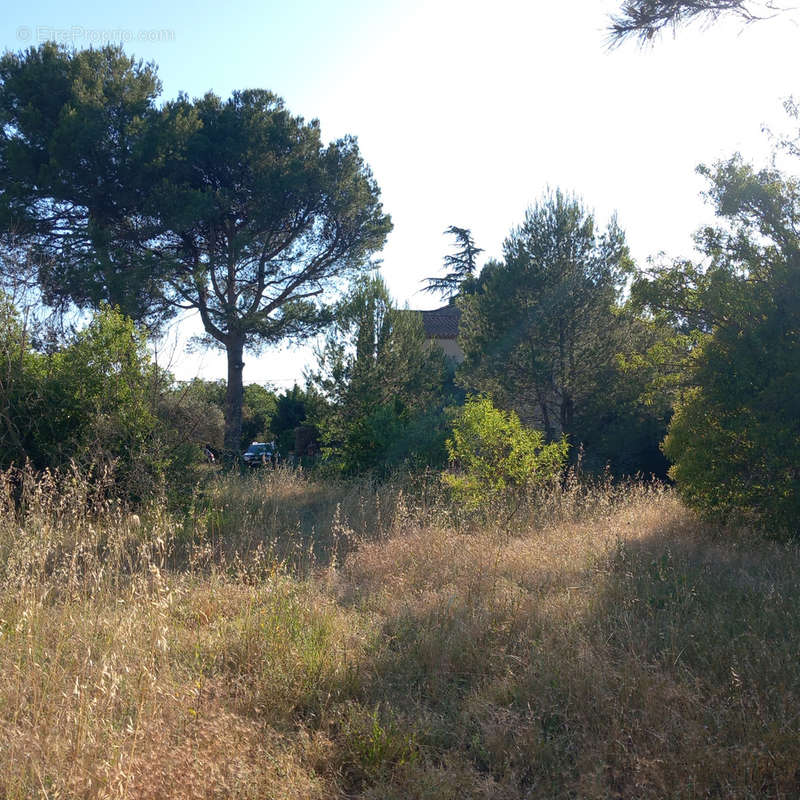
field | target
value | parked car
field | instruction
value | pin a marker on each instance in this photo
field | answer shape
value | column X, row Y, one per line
column 259, row 454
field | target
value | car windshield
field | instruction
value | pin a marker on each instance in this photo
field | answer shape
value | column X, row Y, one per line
column 257, row 449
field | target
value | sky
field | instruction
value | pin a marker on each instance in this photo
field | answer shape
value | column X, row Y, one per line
column 466, row 112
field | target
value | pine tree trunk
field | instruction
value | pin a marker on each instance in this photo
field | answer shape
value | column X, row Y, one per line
column 233, row 399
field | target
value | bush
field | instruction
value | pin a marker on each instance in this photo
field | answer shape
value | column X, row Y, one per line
column 496, row 457
column 734, row 349
column 735, row 438
column 100, row 405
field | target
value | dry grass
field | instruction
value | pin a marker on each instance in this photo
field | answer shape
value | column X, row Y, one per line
column 300, row 640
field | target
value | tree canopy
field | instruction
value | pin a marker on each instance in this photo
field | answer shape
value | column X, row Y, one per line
column 734, row 438
column 77, row 152
column 460, row 266
column 381, row 379
column 233, row 208
column 535, row 330
column 260, row 220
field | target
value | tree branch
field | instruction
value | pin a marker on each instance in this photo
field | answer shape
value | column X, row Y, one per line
column 645, row 19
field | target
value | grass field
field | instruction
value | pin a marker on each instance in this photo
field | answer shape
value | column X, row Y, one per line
column 294, row 639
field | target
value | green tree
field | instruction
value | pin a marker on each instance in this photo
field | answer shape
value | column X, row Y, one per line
column 22, row 394
column 621, row 425
column 104, row 411
column 735, row 438
column 262, row 219
column 99, row 402
column 235, row 209
column 258, row 410
column 461, row 267
column 93, row 402
column 541, row 324
column 77, row 160
column 295, row 408
column 381, row 379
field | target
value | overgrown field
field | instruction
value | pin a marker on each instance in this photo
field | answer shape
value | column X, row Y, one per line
column 291, row 639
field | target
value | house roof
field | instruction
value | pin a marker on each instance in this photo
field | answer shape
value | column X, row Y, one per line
column 441, row 323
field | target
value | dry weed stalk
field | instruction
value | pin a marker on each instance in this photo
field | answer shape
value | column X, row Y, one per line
column 295, row 639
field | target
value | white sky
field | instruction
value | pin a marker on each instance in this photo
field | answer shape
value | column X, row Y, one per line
column 466, row 111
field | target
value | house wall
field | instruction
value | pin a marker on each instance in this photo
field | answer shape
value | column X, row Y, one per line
column 451, row 349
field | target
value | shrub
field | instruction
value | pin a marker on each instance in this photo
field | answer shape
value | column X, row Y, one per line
column 495, row 456
column 735, row 350
column 99, row 403
column 735, row 438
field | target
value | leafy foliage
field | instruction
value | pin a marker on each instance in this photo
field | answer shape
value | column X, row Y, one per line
column 235, row 209
column 382, row 380
column 620, row 427
column 735, row 437
column 77, row 161
column 496, row 457
column 92, row 403
column 22, row 400
column 542, row 329
column 194, row 411
column 260, row 405
column 296, row 407
column 99, row 405
column 461, row 266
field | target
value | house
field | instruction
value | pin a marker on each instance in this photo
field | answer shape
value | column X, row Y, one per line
column 441, row 328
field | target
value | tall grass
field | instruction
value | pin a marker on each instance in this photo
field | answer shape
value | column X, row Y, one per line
column 296, row 639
